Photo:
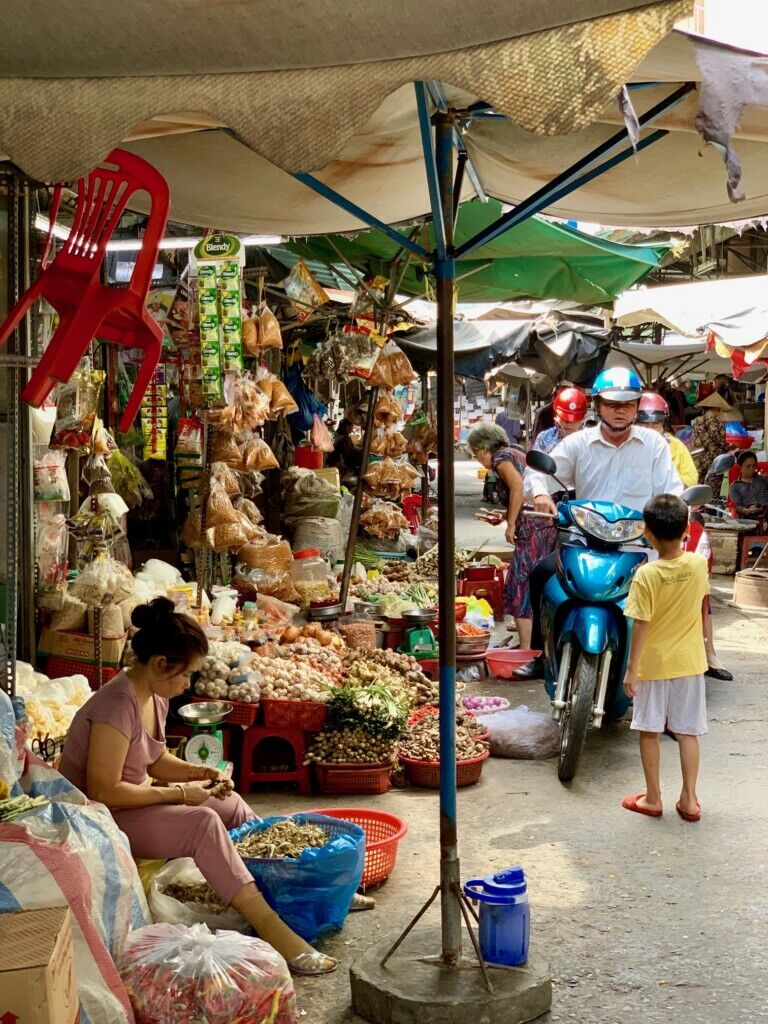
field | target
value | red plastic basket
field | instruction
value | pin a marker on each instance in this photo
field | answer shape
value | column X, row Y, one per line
column 382, row 834
column 56, row 668
column 308, row 715
column 364, row 779
column 241, row 713
column 427, row 773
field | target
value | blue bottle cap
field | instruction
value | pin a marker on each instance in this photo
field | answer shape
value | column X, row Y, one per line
column 510, row 882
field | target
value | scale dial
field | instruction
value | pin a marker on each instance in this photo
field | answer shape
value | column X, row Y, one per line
column 204, row 749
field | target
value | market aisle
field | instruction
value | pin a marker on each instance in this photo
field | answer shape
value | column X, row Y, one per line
column 643, row 921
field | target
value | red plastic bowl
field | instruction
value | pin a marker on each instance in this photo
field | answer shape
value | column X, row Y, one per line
column 502, row 663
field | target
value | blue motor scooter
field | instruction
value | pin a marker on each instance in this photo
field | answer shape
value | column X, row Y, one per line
column 586, row 636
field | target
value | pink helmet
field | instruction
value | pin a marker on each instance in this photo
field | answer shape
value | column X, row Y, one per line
column 652, row 408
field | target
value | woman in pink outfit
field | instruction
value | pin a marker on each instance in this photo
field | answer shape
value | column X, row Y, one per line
column 115, row 752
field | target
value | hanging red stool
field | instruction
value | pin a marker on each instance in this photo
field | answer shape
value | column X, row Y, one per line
column 72, row 285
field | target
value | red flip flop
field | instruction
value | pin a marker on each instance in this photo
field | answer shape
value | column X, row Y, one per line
column 630, row 803
column 685, row 815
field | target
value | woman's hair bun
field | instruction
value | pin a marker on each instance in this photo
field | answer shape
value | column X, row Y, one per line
column 153, row 615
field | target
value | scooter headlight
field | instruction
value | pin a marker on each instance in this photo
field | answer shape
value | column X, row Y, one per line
column 620, row 532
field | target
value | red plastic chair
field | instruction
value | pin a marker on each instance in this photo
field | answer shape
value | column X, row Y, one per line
column 412, row 510
column 71, row 283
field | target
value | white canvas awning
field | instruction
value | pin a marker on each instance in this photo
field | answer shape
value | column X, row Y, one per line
column 227, row 99
column 679, row 359
column 696, row 308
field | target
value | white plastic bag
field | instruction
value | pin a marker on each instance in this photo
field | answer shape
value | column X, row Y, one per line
column 175, row 975
column 167, row 910
column 521, row 733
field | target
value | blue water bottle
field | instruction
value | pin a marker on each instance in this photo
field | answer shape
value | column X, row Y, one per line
column 505, row 917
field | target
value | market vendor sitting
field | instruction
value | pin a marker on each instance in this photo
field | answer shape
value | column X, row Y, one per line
column 116, row 750
column 749, row 493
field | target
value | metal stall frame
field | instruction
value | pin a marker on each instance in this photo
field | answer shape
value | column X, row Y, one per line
column 18, row 629
column 439, row 135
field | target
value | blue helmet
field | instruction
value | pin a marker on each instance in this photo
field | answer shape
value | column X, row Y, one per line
column 618, row 385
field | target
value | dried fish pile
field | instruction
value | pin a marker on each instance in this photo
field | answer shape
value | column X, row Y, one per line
column 283, row 839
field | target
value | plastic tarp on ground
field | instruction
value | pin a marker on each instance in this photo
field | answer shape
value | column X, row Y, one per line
column 537, row 259
column 227, row 99
column 553, row 349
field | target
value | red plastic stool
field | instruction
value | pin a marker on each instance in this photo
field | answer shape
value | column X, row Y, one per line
column 491, row 590
column 253, row 738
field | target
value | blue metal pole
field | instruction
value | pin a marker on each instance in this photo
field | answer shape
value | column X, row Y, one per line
column 572, row 177
column 425, row 127
column 357, row 211
column 445, row 272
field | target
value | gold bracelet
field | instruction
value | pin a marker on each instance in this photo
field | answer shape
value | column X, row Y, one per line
column 180, row 787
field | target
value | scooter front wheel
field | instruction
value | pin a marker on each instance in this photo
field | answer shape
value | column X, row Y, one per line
column 577, row 715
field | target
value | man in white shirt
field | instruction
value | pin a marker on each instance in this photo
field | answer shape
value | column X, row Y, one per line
column 614, row 461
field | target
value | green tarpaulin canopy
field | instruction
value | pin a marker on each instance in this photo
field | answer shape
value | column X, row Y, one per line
column 537, row 260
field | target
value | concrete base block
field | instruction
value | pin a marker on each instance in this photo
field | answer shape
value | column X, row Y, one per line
column 416, row 988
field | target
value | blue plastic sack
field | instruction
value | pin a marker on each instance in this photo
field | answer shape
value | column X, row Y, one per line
column 311, row 893
column 308, row 402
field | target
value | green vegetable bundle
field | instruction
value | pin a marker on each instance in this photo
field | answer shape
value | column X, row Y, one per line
column 375, row 708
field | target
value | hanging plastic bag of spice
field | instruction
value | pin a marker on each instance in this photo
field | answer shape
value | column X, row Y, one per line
column 302, row 288
column 76, row 405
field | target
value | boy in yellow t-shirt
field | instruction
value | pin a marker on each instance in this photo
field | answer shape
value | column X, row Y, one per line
column 667, row 658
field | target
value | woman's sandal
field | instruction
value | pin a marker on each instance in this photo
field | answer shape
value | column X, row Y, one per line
column 307, row 964
column 360, row 902
column 630, row 803
column 686, row 815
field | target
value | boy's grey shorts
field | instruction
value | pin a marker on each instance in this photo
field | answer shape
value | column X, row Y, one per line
column 678, row 704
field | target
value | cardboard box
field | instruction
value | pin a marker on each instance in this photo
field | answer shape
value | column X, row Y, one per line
column 331, row 475
column 37, row 968
column 60, row 643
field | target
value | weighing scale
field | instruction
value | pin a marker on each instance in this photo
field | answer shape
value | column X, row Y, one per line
column 419, row 639
column 205, row 747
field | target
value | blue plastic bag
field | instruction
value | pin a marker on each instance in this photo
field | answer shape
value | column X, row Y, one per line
column 311, row 893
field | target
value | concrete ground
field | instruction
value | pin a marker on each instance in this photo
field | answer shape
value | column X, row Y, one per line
column 642, row 920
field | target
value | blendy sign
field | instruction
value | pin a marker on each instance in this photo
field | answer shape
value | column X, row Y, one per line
column 216, row 248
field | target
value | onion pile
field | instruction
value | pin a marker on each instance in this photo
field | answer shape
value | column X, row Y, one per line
column 483, row 705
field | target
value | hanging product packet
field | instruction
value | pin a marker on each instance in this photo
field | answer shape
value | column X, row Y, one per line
column 154, row 417
column 51, row 555
column 49, row 474
column 219, row 510
column 392, row 369
column 218, row 260
column 76, row 405
column 387, row 412
column 302, row 288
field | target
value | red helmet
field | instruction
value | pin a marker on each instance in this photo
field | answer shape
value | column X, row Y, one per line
column 652, row 408
column 570, row 405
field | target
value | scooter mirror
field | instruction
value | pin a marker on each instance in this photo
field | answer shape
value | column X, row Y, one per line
column 541, row 463
column 699, row 494
column 721, row 465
